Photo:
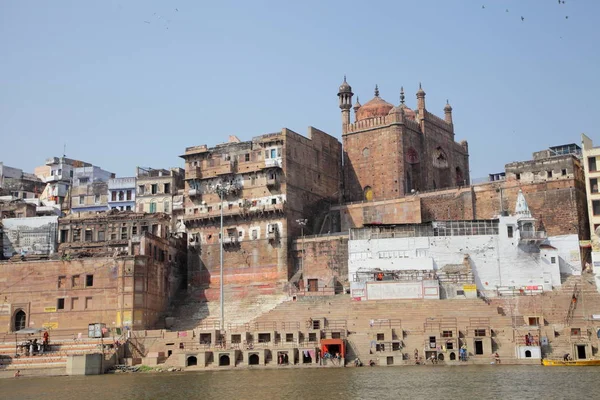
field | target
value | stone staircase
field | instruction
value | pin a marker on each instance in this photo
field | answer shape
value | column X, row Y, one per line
column 55, row 357
column 242, row 304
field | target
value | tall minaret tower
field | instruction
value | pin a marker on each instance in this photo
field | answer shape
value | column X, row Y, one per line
column 345, row 96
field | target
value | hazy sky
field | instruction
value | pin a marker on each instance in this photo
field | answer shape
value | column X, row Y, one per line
column 127, row 83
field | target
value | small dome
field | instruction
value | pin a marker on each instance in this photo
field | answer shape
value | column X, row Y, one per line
column 357, row 105
column 420, row 92
column 344, row 87
column 376, row 107
column 448, row 107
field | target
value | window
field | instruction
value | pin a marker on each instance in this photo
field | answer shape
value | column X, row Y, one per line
column 596, row 207
column 592, row 164
column 83, row 181
column 124, row 233
column 89, row 280
column 140, row 189
column 81, row 199
column 62, row 282
column 166, row 207
column 549, row 173
column 113, row 236
column 129, row 194
column 479, row 332
column 594, row 185
column 460, row 292
column 563, row 172
column 88, row 235
column 266, row 153
column 518, row 176
column 128, row 208
column 153, row 207
column 510, row 231
column 97, row 198
column 552, row 260
column 74, row 303
column 88, row 303
column 273, row 153
column 154, row 188
column 273, row 201
column 60, row 304
column 134, row 230
column 101, row 236
column 446, row 334
column 240, row 234
column 64, row 235
column 254, row 234
column 167, row 188
column 75, row 281
column 247, row 157
column 76, row 235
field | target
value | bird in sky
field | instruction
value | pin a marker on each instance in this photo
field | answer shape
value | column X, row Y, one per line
column 522, row 18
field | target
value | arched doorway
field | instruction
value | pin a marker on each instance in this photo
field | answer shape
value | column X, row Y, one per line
column 20, row 320
column 441, row 357
column 452, row 356
column 253, row 359
column 191, row 361
column 460, row 181
column 224, row 360
column 368, row 193
column 527, row 354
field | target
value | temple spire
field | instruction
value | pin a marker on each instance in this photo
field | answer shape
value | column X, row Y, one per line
column 376, row 91
column 402, row 95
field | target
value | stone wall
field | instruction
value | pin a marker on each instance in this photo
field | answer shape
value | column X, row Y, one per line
column 324, row 258
column 124, row 291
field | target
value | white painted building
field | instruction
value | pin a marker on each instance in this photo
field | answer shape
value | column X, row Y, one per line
column 506, row 256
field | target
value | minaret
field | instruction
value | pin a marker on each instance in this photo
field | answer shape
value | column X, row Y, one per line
column 345, row 96
column 448, row 113
column 356, row 107
column 420, row 100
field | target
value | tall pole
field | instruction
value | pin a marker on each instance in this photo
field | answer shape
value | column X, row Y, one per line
column 221, row 263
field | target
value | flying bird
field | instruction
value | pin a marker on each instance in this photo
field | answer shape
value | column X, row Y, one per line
column 147, row 22
column 482, row 6
column 567, row 17
column 522, row 18
column 177, row 9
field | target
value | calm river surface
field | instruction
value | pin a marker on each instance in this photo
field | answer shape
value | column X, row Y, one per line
column 468, row 382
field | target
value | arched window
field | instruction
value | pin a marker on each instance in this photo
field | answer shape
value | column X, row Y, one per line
column 20, row 320
column 440, row 160
column 366, row 152
column 527, row 354
column 368, row 193
column 191, row 361
column 460, row 181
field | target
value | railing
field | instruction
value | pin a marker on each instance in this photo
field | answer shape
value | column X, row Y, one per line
column 266, row 326
column 386, row 323
column 290, row 325
column 335, row 324
column 533, row 235
column 208, row 325
column 238, row 327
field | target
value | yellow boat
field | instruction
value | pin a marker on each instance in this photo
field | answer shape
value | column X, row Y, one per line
column 576, row 363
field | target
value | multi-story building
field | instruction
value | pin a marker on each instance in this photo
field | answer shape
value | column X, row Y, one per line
column 89, row 192
column 119, row 269
column 121, row 193
column 267, row 189
column 156, row 188
column 390, row 151
column 19, row 184
column 591, row 163
column 58, row 174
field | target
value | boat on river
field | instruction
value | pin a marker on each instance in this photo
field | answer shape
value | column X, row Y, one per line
column 574, row 363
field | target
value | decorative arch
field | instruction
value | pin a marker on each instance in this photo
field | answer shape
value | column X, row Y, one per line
column 368, row 193
column 440, row 159
column 19, row 320
column 460, row 180
column 191, row 361
column 366, row 152
column 412, row 156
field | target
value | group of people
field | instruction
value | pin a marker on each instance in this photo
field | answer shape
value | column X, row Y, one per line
column 529, row 340
column 32, row 347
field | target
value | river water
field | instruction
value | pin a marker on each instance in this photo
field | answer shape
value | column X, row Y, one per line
column 413, row 382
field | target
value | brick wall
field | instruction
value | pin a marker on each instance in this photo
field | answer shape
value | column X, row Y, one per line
column 325, row 258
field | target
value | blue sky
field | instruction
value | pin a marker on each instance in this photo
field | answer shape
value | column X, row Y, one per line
column 122, row 92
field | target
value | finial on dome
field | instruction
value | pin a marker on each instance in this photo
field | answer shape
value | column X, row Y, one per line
column 402, row 95
column 376, row 91
column 448, row 107
column 344, row 77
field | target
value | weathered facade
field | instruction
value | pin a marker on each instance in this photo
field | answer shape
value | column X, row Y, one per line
column 392, row 151
column 156, row 188
column 268, row 186
column 591, row 159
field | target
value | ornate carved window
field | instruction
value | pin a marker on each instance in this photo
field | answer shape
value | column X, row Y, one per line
column 412, row 157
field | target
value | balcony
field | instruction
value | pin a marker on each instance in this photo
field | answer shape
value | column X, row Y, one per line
column 230, row 240
column 273, row 162
column 272, row 181
column 245, row 212
column 533, row 235
column 228, row 167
